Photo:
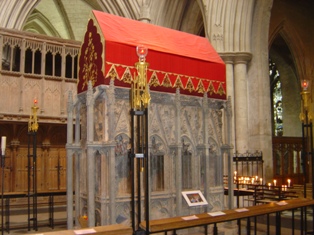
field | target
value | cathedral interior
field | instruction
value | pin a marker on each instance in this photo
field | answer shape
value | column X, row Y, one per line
column 259, row 106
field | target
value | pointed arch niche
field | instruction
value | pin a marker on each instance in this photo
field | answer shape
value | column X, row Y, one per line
column 282, row 57
column 286, row 102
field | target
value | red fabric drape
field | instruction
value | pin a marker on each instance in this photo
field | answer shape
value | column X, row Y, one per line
column 172, row 56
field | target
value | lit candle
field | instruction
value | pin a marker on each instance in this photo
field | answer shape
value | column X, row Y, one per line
column 3, row 144
column 289, row 182
column 256, row 177
column 275, row 181
column 252, row 180
column 261, row 180
column 269, row 184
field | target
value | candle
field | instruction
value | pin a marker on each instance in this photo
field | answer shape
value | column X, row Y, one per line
column 275, row 181
column 261, row 180
column 289, row 182
column 3, row 144
column 269, row 184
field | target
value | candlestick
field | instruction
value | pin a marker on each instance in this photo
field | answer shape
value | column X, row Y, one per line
column 3, row 144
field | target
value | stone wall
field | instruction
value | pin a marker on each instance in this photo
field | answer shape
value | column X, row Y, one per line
column 185, row 139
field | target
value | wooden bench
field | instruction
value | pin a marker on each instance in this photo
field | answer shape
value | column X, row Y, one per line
column 267, row 194
column 299, row 188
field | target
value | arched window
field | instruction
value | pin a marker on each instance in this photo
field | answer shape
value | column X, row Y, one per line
column 276, row 92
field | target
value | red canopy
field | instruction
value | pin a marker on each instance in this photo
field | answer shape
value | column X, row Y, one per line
column 176, row 59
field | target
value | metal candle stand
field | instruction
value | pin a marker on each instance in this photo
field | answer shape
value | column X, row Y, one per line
column 138, row 153
column 32, row 167
column 2, row 162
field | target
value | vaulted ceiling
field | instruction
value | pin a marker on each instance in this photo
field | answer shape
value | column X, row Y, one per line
column 68, row 18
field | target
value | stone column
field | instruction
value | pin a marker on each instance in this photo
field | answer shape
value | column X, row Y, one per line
column 178, row 155
column 90, row 158
column 69, row 163
column 205, row 151
column 77, row 160
column 145, row 11
column 241, row 102
column 111, row 153
column 227, row 150
column 228, row 58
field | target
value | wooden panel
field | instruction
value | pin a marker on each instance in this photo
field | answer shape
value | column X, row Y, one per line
column 21, row 170
column 52, row 169
column 63, row 169
column 287, row 160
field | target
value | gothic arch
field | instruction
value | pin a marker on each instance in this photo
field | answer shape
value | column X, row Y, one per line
column 192, row 19
column 128, row 9
column 37, row 23
column 158, row 146
column 14, row 13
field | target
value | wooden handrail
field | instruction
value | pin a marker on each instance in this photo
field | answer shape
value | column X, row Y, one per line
column 175, row 223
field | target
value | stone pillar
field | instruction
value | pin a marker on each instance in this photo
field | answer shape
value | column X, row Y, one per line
column 145, row 11
column 69, row 163
column 111, row 153
column 77, row 162
column 178, row 155
column 90, row 158
column 241, row 102
column 205, row 151
column 227, row 150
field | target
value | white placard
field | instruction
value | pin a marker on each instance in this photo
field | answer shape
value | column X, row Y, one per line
column 241, row 209
column 85, row 231
column 191, row 217
column 282, row 203
column 217, row 213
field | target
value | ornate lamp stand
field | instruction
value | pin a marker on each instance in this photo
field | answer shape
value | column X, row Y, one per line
column 140, row 99
column 32, row 167
column 307, row 138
